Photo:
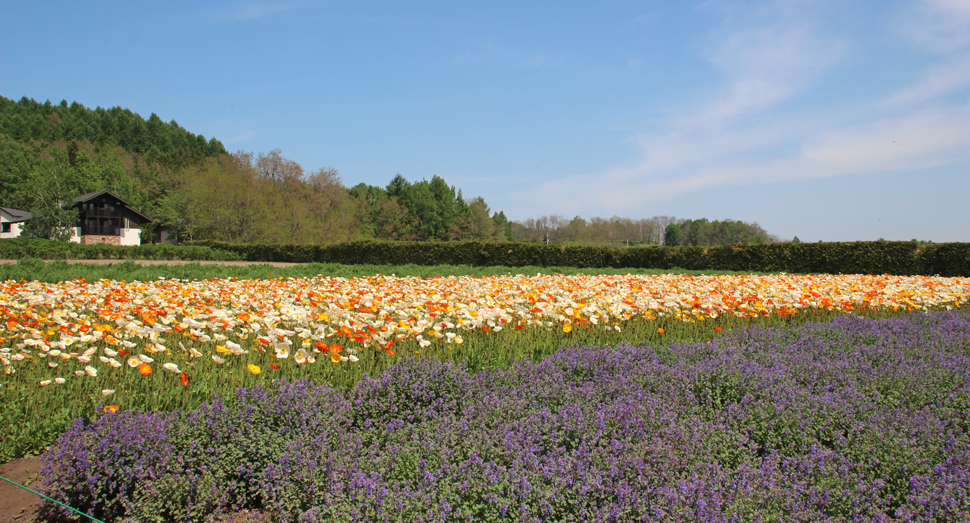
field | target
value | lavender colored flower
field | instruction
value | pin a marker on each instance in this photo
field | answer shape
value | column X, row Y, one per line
column 850, row 420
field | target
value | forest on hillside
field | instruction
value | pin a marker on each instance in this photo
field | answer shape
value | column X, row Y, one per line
column 193, row 188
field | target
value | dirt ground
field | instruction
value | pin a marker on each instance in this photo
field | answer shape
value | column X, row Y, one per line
column 20, row 506
column 16, row 504
column 172, row 262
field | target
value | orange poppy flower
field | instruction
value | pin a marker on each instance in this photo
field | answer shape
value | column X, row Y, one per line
column 145, row 369
column 274, row 365
column 661, row 331
column 111, row 408
column 321, row 346
column 184, row 378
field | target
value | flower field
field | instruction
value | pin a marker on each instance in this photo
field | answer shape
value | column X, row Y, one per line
column 106, row 350
column 79, row 327
column 850, row 420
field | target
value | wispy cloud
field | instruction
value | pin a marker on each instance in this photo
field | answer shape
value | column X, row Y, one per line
column 942, row 26
column 764, row 67
column 917, row 141
column 940, row 80
column 245, row 137
column 746, row 132
column 922, row 140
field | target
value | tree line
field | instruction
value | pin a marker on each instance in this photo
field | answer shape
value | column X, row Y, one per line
column 191, row 187
column 619, row 232
column 166, row 143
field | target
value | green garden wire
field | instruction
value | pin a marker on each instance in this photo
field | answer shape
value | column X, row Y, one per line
column 49, row 499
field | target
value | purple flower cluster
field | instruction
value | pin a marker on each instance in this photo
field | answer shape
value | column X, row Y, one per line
column 851, row 420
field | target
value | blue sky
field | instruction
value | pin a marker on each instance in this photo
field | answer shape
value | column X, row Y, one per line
column 829, row 120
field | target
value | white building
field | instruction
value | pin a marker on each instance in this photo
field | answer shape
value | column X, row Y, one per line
column 10, row 222
column 103, row 218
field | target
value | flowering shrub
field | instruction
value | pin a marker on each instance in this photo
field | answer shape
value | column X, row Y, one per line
column 850, row 420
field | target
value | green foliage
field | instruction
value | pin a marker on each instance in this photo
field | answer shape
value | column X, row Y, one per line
column 128, row 270
column 19, row 248
column 168, row 143
column 703, row 232
column 901, row 258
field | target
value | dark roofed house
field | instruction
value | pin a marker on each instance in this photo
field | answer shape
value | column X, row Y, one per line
column 10, row 220
column 106, row 218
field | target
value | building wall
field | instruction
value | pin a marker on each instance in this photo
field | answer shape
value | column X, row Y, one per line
column 130, row 237
column 14, row 231
column 91, row 239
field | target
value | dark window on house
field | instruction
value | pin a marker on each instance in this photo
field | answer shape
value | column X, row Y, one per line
column 101, row 219
column 5, row 227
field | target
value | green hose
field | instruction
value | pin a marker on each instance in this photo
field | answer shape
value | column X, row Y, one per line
column 49, row 499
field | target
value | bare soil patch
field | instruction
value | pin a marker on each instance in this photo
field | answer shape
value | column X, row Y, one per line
column 16, row 504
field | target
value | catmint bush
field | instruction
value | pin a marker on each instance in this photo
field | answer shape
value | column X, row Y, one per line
column 850, row 420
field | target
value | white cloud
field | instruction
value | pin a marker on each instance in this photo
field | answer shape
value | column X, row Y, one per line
column 942, row 26
column 765, row 67
column 245, row 137
column 745, row 135
column 921, row 140
column 937, row 81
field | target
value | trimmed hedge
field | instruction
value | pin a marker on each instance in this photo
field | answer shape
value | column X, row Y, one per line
column 880, row 257
column 16, row 248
